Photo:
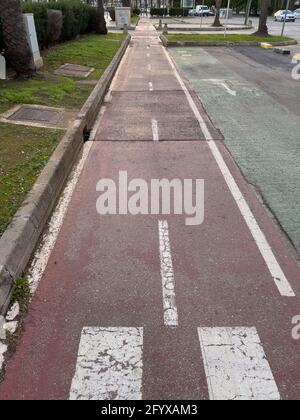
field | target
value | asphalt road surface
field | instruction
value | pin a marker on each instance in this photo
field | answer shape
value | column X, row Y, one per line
column 146, row 307
column 251, row 96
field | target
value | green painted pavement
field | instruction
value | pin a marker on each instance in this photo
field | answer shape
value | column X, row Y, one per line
column 262, row 135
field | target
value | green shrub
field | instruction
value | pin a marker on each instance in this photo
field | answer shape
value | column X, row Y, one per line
column 78, row 18
column 178, row 11
column 136, row 12
column 158, row 12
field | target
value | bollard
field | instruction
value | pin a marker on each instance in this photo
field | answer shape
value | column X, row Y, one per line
column 165, row 31
column 125, row 30
column 160, row 25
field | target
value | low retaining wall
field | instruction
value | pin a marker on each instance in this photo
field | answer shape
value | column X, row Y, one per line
column 169, row 44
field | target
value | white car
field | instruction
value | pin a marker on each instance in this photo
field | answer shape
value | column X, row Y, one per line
column 279, row 16
column 297, row 13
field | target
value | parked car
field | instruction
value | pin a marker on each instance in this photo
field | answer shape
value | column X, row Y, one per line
column 279, row 16
column 203, row 11
column 297, row 13
column 193, row 12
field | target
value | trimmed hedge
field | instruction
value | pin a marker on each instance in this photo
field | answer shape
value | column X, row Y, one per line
column 136, row 12
column 158, row 12
column 178, row 12
column 171, row 12
column 78, row 19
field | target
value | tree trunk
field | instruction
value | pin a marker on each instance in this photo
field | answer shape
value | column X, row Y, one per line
column 17, row 49
column 101, row 27
column 264, row 12
column 217, row 22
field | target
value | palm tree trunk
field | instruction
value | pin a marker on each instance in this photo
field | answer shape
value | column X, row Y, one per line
column 17, row 49
column 264, row 12
column 217, row 22
column 101, row 27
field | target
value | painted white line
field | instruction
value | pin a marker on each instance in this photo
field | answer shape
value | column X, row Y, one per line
column 167, row 276
column 222, row 83
column 97, row 124
column 3, row 350
column 235, row 363
column 151, row 86
column 2, row 329
column 149, row 67
column 148, row 55
column 121, row 65
column 43, row 253
column 109, row 365
column 155, row 132
column 108, row 97
column 278, row 275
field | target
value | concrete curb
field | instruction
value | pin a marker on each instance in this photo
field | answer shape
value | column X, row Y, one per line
column 169, row 44
column 21, row 237
column 210, row 29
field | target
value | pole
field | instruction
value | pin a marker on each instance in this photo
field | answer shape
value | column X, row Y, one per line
column 284, row 21
column 248, row 10
column 201, row 21
column 227, row 16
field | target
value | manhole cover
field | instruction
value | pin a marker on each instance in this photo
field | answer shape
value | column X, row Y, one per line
column 39, row 116
column 74, row 70
column 36, row 115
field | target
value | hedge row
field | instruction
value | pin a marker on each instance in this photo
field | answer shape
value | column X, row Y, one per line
column 78, row 18
column 136, row 12
column 171, row 12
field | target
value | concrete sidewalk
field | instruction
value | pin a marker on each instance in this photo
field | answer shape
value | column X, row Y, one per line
column 145, row 307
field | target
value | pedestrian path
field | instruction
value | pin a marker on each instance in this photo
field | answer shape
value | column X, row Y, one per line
column 149, row 306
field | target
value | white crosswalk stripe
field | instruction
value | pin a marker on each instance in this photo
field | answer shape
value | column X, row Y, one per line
column 235, row 364
column 109, row 364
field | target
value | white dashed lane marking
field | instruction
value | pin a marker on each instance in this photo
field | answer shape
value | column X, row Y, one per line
column 167, row 276
column 150, row 86
column 109, row 364
column 155, row 132
column 235, row 365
